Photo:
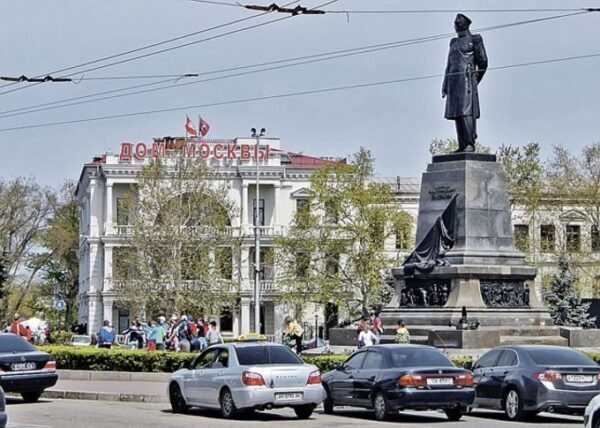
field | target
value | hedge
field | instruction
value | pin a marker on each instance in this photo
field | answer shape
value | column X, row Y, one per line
column 91, row 358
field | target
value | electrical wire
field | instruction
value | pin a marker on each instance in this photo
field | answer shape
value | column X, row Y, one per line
column 410, row 11
column 308, row 59
column 220, row 3
column 290, row 94
column 142, row 48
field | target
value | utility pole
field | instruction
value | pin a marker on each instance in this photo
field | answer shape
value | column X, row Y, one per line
column 257, row 234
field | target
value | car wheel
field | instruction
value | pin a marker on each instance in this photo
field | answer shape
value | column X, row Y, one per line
column 513, row 406
column 328, row 402
column 304, row 412
column 454, row 414
column 31, row 396
column 178, row 404
column 380, row 405
column 228, row 409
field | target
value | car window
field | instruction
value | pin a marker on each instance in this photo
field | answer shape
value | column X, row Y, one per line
column 372, row 361
column 260, row 355
column 355, row 362
column 222, row 359
column 508, row 359
column 418, row 357
column 14, row 343
column 554, row 356
column 205, row 359
column 488, row 360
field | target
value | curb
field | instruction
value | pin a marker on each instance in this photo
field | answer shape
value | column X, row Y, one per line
column 113, row 376
column 103, row 396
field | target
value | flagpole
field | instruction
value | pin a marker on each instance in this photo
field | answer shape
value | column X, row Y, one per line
column 198, row 129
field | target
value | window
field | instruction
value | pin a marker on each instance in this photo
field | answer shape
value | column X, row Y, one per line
column 224, row 260
column 302, row 205
column 261, row 212
column 194, row 264
column 508, row 358
column 266, row 263
column 355, row 362
column 222, row 360
column 488, row 360
column 521, row 237
column 419, row 357
column 547, row 237
column 373, row 361
column 559, row 357
column 125, row 263
column 573, row 233
column 302, row 264
column 122, row 212
column 595, row 239
column 205, row 359
column 403, row 238
column 226, row 321
column 332, row 264
column 332, row 213
column 259, row 355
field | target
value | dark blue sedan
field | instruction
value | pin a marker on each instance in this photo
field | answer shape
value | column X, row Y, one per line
column 527, row 379
column 391, row 378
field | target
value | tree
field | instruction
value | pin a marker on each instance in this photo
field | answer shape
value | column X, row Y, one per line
column 25, row 208
column 334, row 252
column 61, row 240
column 564, row 302
column 450, row 145
column 179, row 249
column 3, row 275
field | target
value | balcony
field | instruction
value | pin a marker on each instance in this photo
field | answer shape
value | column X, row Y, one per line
column 246, row 231
column 266, row 286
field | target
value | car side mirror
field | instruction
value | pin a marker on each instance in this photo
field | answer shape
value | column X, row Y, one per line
column 469, row 365
column 189, row 365
column 337, row 366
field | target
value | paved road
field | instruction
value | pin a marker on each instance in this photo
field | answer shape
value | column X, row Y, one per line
column 82, row 413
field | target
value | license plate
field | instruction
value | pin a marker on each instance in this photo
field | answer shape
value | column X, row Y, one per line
column 22, row 366
column 440, row 381
column 288, row 396
column 579, row 378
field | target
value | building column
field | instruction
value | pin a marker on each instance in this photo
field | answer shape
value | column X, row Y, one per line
column 94, row 323
column 109, row 221
column 244, row 316
column 244, row 206
column 276, row 204
column 95, row 205
column 108, row 304
column 108, row 267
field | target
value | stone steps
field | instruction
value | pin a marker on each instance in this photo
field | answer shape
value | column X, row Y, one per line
column 526, row 331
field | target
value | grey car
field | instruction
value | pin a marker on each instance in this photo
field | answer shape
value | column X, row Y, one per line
column 527, row 379
column 243, row 377
column 3, row 415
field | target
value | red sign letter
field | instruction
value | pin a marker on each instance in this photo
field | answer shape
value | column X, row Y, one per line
column 217, row 153
column 245, row 151
column 159, row 149
column 140, row 151
column 230, row 151
column 125, row 154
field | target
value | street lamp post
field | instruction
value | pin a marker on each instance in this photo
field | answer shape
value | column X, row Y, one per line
column 257, row 235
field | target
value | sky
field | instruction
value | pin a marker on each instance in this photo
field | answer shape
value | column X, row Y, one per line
column 553, row 104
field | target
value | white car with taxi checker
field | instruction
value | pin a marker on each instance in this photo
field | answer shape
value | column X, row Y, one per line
column 242, row 377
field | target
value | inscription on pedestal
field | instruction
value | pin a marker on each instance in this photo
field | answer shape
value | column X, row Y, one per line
column 442, row 192
column 425, row 293
column 499, row 293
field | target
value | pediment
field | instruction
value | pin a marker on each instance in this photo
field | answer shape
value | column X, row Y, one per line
column 302, row 193
column 573, row 216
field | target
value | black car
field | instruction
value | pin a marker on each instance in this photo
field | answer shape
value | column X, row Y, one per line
column 525, row 380
column 391, row 378
column 24, row 369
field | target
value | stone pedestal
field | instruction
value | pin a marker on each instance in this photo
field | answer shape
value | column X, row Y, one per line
column 464, row 339
column 580, row 338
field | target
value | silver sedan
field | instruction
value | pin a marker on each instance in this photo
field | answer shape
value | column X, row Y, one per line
column 243, row 377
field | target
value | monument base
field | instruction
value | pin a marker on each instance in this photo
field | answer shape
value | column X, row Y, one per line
column 464, row 339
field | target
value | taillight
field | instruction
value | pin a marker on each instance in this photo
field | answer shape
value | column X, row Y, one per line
column 464, row 380
column 252, row 379
column 314, row 378
column 547, row 376
column 50, row 366
column 412, row 381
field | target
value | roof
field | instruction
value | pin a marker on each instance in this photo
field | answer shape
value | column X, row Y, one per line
column 299, row 160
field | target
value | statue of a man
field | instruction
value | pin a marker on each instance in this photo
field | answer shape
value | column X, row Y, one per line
column 467, row 63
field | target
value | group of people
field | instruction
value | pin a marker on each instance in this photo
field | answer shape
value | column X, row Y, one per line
column 370, row 331
column 180, row 333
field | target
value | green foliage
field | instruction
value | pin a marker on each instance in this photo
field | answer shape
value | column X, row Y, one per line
column 91, row 358
column 564, row 302
column 325, row 362
column 450, row 145
column 60, row 337
column 334, row 251
column 3, row 275
column 524, row 174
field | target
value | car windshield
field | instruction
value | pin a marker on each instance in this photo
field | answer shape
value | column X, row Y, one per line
column 259, row 355
column 12, row 343
column 559, row 357
column 419, row 357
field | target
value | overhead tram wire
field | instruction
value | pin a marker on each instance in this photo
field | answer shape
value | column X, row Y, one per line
column 314, row 58
column 423, row 11
column 142, row 48
column 289, row 94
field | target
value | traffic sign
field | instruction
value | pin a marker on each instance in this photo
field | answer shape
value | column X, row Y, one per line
column 59, row 304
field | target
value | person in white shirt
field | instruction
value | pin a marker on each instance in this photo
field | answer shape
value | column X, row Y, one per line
column 366, row 337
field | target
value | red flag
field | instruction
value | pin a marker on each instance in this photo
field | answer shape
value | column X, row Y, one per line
column 203, row 126
column 189, row 127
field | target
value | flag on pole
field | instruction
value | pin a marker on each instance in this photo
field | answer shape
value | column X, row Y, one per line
column 203, row 126
column 189, row 127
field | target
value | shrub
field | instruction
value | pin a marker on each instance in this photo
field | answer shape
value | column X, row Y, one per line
column 60, row 337
column 325, row 362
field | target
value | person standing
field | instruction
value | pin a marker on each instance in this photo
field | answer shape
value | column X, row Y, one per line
column 377, row 327
column 213, row 336
column 467, row 63
column 366, row 337
column 402, row 333
column 294, row 332
column 160, row 335
column 106, row 336
column 19, row 329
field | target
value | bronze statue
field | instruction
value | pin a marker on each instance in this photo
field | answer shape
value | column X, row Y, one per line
column 467, row 63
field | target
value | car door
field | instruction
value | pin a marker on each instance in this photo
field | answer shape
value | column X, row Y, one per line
column 482, row 371
column 364, row 378
column 213, row 377
column 195, row 386
column 507, row 363
column 341, row 387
